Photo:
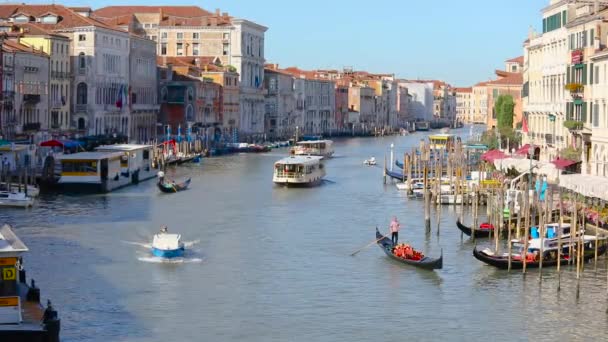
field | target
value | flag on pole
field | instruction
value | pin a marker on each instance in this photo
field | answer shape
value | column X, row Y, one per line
column 119, row 97
column 125, row 95
column 524, row 125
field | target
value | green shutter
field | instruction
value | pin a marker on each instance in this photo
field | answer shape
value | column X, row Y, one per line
column 544, row 25
column 584, row 112
column 564, row 18
column 592, row 38
column 569, row 107
column 591, row 73
column 568, row 75
column 584, row 74
column 559, row 20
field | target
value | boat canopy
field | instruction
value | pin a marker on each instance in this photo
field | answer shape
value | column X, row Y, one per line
column 61, row 143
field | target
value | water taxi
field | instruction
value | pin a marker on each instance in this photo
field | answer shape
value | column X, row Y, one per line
column 92, row 172
column 422, row 126
column 442, row 141
column 135, row 162
column 299, row 171
column 22, row 316
column 165, row 245
column 320, row 148
column 370, row 162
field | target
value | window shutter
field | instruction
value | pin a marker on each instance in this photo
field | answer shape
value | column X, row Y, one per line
column 567, row 75
column 585, row 74
column 591, row 37
column 564, row 18
column 591, row 73
column 584, row 112
column 544, row 25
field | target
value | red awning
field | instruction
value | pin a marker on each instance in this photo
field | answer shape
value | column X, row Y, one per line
column 523, row 151
column 563, row 163
column 51, row 143
column 493, row 155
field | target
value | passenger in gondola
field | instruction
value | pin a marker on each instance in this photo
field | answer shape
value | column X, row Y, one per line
column 394, row 229
column 163, row 229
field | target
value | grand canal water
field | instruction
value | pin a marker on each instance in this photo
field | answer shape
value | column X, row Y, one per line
column 274, row 264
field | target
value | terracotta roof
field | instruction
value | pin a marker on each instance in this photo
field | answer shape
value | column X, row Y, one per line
column 309, row 75
column 519, row 60
column 80, row 9
column 69, row 18
column 463, row 90
column 481, row 84
column 36, row 29
column 507, row 78
column 179, row 11
column 14, row 46
column 190, row 62
column 195, row 21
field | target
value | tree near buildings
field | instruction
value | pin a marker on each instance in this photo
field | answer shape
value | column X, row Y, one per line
column 504, row 108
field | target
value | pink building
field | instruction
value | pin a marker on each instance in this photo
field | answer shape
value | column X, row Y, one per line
column 341, row 108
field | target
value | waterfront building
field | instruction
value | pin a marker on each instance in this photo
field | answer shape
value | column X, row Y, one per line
column 188, row 98
column 546, row 59
column 142, row 89
column 101, row 90
column 192, row 31
column 479, row 103
column 228, row 80
column 507, row 83
column 28, row 70
column 463, row 105
column 315, row 102
column 280, row 102
column 341, row 114
column 422, row 100
column 57, row 47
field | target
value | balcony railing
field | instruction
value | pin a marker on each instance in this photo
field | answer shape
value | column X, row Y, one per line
column 81, row 107
column 31, row 99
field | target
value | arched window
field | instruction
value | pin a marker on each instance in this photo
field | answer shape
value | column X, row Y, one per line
column 82, row 63
column 81, row 93
column 190, row 113
column 190, row 95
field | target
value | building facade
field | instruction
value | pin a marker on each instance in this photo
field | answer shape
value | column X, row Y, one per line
column 464, row 108
column 280, row 102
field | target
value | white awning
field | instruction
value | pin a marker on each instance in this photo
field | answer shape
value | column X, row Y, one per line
column 586, row 185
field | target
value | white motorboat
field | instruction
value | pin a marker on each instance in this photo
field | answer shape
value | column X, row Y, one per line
column 165, row 245
column 15, row 199
column 299, row 171
column 32, row 190
column 371, row 161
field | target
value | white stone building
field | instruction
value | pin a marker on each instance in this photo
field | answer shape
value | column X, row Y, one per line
column 421, row 104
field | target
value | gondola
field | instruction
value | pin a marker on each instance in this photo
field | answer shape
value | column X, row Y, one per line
column 170, row 187
column 425, row 263
column 484, row 230
column 395, row 175
column 502, row 261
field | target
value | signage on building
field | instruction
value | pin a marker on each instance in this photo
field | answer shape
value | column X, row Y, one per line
column 577, row 57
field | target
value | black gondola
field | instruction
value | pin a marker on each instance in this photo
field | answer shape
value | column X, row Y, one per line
column 502, row 261
column 172, row 187
column 479, row 233
column 426, row 263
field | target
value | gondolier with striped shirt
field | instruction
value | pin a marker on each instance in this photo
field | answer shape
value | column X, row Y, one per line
column 394, row 229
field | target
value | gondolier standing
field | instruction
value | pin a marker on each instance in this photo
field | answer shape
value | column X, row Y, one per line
column 394, row 229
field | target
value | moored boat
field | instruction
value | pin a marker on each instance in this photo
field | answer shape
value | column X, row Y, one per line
column 22, row 316
column 532, row 258
column 299, row 171
column 15, row 198
column 484, row 230
column 418, row 260
column 165, row 245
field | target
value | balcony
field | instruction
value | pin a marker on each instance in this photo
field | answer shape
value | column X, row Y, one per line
column 81, row 107
column 31, row 99
column 32, row 126
column 8, row 96
column 56, row 104
column 576, row 90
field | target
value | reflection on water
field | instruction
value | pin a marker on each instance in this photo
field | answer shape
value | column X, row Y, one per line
column 274, row 264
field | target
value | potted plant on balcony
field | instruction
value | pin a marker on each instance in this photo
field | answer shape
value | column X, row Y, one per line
column 574, row 88
column 573, row 125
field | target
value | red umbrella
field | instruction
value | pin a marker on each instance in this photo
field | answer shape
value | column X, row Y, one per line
column 493, row 155
column 51, row 143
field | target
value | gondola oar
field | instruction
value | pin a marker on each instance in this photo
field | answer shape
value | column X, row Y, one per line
column 364, row 247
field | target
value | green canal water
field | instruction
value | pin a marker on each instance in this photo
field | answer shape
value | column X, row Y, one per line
column 274, row 264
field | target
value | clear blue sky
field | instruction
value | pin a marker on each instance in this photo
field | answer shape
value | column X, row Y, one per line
column 461, row 42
